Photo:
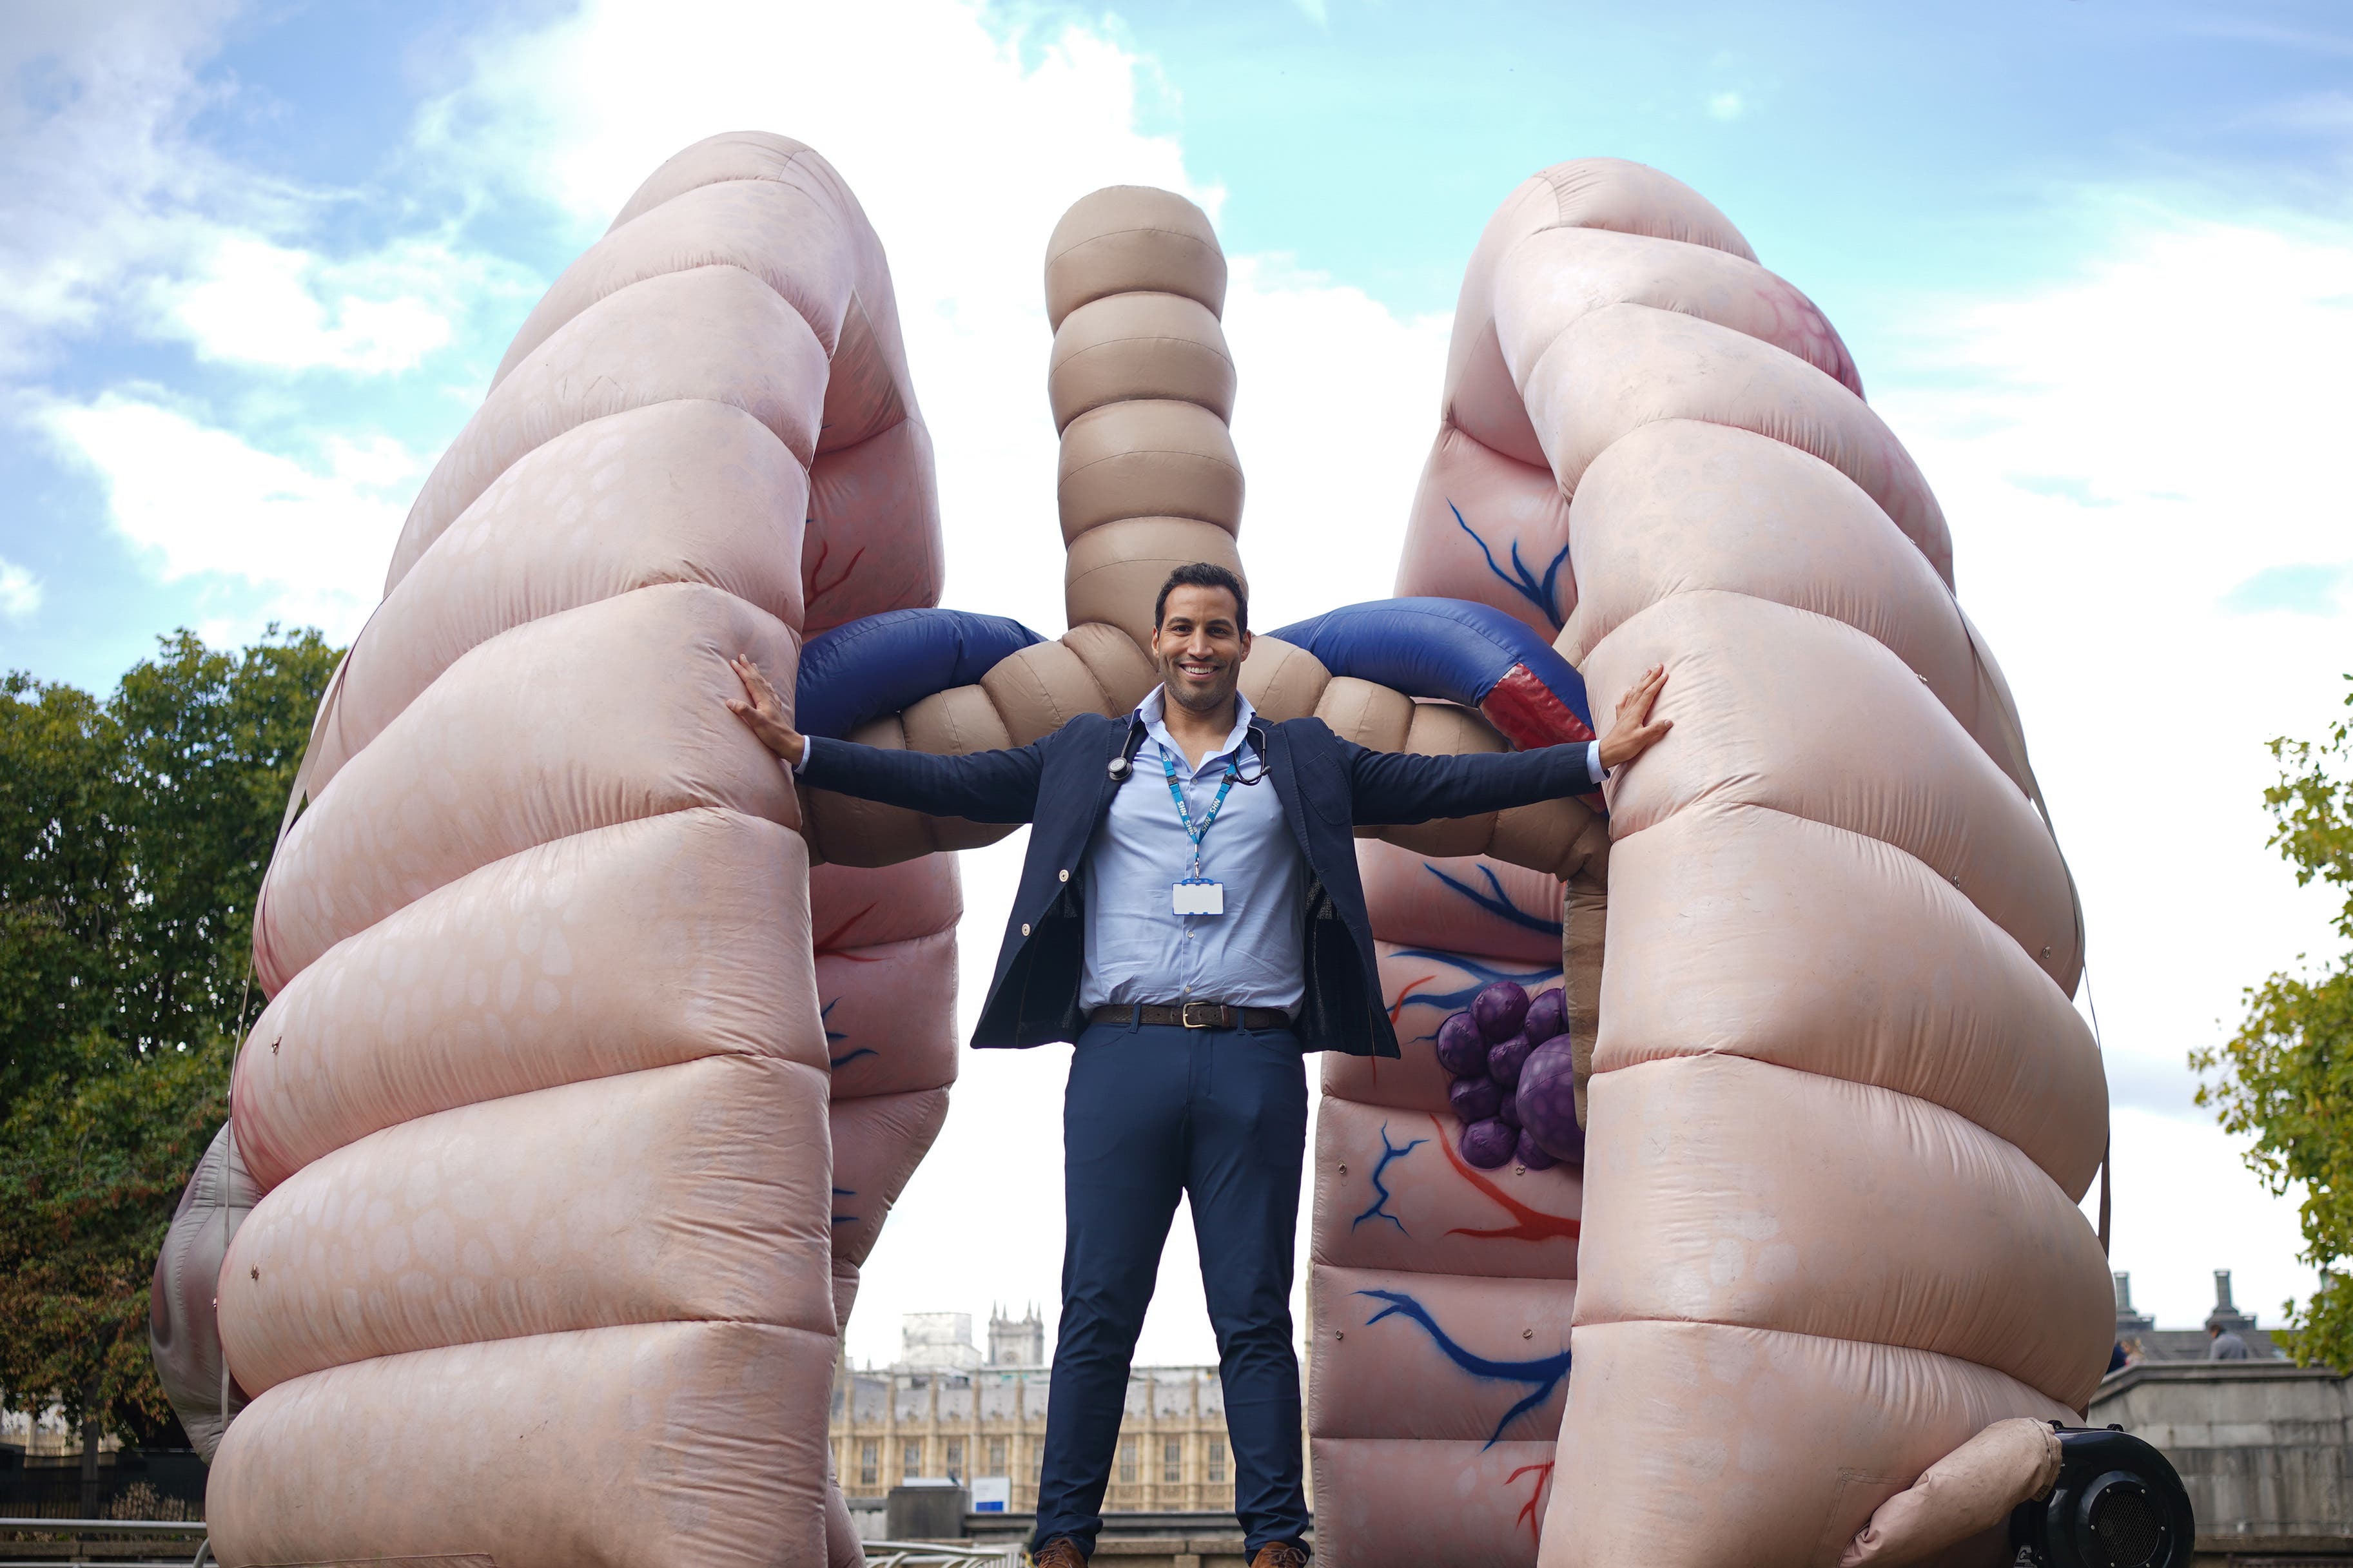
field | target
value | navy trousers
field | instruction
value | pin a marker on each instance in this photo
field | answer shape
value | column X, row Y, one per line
column 1221, row 1116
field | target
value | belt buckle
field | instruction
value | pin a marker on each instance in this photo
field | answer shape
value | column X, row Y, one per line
column 1185, row 1014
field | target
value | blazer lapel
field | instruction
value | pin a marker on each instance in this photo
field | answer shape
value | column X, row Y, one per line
column 1280, row 764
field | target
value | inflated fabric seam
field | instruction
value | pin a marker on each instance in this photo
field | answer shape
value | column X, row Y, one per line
column 906, row 417
column 724, row 263
column 1098, row 237
column 1564, row 226
column 1561, row 193
column 1830, row 1339
column 1108, row 703
column 583, row 425
column 1220, row 349
column 691, row 262
column 330, row 709
column 1020, row 670
column 1711, row 800
column 1772, row 432
column 1538, row 350
column 1696, row 591
column 686, row 265
column 1234, row 469
column 792, row 162
column 1447, row 420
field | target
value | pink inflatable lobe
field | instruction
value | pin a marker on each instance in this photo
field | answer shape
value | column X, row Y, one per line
column 581, row 1095
column 1840, row 1108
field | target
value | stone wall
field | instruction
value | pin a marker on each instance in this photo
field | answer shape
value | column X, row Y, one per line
column 2264, row 1448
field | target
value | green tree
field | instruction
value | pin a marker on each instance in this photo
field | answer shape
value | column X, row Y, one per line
column 137, row 830
column 2286, row 1077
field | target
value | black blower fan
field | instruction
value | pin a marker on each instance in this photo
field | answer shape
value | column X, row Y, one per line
column 2117, row 1504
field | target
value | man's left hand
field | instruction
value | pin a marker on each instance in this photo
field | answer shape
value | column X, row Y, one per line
column 1634, row 731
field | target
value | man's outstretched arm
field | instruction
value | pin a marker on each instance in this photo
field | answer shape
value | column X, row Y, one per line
column 1394, row 787
column 984, row 786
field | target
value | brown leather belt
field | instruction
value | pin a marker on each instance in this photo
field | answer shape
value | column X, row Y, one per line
column 1195, row 1015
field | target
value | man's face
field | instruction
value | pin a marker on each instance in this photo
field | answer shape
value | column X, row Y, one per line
column 1198, row 647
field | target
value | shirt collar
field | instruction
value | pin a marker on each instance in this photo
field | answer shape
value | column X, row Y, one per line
column 1154, row 710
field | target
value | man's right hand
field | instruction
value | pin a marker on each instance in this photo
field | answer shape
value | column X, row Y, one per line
column 764, row 712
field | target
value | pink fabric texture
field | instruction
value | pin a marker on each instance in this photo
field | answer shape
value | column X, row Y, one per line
column 1841, row 1107
column 580, row 1097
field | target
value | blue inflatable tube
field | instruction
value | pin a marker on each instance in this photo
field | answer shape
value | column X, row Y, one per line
column 1458, row 651
column 885, row 663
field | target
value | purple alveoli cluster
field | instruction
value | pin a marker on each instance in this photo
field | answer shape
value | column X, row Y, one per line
column 1515, row 1082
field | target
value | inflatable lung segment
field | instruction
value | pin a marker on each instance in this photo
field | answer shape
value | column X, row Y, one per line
column 1445, row 1251
column 580, row 1097
column 1841, row 1107
column 182, row 1330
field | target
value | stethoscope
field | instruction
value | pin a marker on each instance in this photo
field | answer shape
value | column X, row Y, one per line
column 1254, row 738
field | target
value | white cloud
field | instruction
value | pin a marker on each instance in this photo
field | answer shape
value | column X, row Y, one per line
column 1724, row 106
column 1337, row 407
column 201, row 500
column 252, row 301
column 99, row 179
column 117, row 219
column 20, row 591
column 120, row 224
column 2139, row 468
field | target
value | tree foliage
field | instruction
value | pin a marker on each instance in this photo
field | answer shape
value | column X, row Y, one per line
column 136, row 833
column 2286, row 1077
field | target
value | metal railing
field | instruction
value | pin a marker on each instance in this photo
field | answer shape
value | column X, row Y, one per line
column 159, row 1529
column 935, row 1554
column 879, row 1553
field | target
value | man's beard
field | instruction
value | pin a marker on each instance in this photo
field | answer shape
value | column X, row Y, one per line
column 1172, row 683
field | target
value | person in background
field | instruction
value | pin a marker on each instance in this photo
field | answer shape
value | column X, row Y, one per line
column 2226, row 1345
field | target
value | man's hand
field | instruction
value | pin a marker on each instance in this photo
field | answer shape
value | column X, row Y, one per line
column 1634, row 731
column 764, row 714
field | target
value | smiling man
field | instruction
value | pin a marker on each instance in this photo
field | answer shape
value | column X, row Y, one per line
column 1190, row 916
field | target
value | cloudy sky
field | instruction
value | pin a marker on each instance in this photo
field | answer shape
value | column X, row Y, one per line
column 256, row 262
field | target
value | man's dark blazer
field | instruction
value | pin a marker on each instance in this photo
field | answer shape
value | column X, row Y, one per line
column 1063, row 784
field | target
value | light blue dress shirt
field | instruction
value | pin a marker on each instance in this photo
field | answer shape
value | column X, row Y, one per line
column 1254, row 955
column 1137, row 949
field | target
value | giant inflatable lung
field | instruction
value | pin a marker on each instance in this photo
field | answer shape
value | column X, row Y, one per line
column 596, row 1053
column 580, row 1095
column 1841, row 1107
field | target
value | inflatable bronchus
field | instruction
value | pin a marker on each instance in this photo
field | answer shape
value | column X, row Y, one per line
column 596, row 1055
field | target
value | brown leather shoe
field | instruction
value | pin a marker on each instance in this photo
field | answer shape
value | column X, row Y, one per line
column 1061, row 1552
column 1279, row 1554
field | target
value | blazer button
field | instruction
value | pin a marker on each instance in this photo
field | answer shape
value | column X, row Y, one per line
column 1025, row 930
column 1064, row 875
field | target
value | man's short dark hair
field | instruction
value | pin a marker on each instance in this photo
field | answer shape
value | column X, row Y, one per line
column 1203, row 574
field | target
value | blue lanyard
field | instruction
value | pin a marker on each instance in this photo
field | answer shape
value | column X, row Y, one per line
column 1168, row 766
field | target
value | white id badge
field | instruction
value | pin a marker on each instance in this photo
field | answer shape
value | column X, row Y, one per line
column 1197, row 896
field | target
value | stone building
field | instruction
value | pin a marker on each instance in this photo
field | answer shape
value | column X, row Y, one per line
column 2264, row 1448
column 944, row 1410
column 2145, row 1342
